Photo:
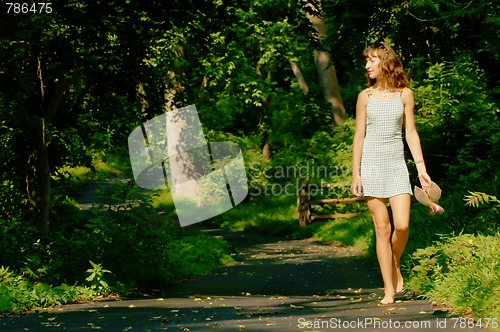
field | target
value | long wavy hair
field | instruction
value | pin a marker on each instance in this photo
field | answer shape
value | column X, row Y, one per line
column 393, row 75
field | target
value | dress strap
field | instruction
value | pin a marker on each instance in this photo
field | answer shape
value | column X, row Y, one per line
column 400, row 90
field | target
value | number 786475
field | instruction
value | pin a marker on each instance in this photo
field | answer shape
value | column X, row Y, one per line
column 29, row 8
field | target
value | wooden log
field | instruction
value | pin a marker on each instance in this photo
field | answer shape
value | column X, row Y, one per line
column 337, row 216
column 349, row 200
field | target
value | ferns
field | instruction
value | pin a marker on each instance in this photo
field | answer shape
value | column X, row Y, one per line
column 477, row 198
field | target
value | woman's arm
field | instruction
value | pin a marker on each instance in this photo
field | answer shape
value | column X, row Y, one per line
column 413, row 139
column 357, row 143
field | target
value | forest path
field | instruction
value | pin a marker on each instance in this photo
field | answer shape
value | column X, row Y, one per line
column 277, row 284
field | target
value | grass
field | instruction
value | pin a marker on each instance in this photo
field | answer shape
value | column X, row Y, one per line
column 277, row 215
column 356, row 232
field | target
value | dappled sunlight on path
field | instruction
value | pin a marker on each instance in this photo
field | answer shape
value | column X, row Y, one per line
column 277, row 284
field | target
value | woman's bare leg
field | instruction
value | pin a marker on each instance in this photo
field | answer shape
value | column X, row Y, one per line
column 380, row 216
column 400, row 206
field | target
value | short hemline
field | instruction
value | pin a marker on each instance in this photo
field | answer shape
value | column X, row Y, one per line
column 386, row 196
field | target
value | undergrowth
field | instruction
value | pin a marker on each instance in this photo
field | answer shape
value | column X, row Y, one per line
column 129, row 242
column 461, row 270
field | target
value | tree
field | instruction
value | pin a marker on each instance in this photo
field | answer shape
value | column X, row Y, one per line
column 326, row 70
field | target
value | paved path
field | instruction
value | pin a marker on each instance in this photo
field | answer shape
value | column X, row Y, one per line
column 277, row 285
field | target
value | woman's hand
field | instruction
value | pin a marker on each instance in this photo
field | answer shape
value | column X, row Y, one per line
column 425, row 180
column 356, row 187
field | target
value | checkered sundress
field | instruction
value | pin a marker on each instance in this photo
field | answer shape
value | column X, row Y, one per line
column 383, row 170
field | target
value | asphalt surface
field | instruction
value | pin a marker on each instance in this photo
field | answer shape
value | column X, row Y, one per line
column 277, row 285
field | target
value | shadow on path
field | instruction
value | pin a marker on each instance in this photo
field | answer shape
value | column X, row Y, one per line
column 277, row 285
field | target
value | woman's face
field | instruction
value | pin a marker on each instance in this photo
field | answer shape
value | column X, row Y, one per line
column 373, row 66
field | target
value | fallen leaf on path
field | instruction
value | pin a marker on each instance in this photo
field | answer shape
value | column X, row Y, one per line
column 51, row 324
column 296, row 306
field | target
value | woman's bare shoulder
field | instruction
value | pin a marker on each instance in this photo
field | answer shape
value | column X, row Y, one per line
column 406, row 91
column 364, row 95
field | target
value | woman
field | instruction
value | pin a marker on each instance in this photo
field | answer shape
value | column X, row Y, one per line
column 379, row 168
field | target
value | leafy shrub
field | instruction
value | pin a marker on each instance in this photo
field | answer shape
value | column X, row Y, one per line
column 460, row 271
column 137, row 244
column 458, row 118
column 18, row 293
column 96, row 279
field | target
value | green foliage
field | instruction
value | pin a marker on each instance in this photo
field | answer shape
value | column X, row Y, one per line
column 460, row 271
column 139, row 246
column 477, row 198
column 18, row 294
column 188, row 256
column 458, row 118
column 357, row 232
column 262, row 213
column 96, row 279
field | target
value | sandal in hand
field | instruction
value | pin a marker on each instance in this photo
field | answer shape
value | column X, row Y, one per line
column 430, row 198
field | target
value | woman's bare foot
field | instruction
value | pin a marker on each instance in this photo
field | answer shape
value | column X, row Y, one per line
column 397, row 279
column 387, row 300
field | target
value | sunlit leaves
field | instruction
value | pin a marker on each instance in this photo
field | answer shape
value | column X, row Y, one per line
column 475, row 199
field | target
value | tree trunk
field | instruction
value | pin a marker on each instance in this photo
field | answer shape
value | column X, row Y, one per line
column 171, row 88
column 298, row 75
column 43, row 160
column 266, row 148
column 264, row 123
column 326, row 70
column 44, row 178
column 330, row 84
column 42, row 153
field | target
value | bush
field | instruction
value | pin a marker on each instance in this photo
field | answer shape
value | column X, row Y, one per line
column 457, row 117
column 460, row 271
column 19, row 294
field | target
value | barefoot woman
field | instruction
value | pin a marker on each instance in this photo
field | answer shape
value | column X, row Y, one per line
column 379, row 168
